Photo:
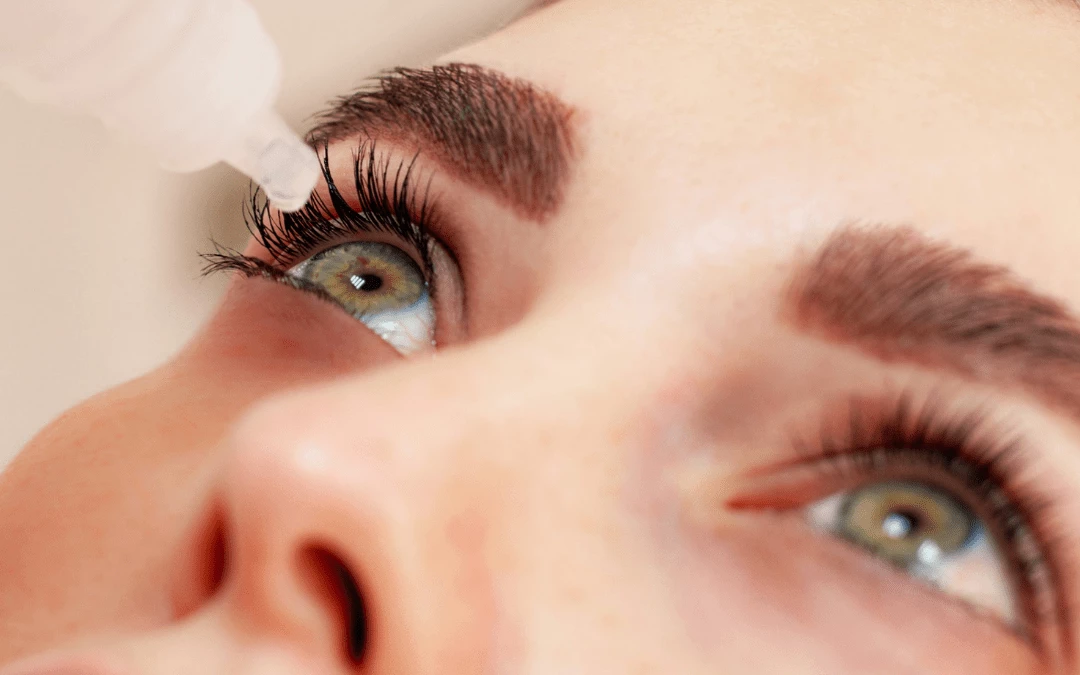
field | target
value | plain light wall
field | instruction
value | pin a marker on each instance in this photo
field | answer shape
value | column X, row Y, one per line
column 101, row 275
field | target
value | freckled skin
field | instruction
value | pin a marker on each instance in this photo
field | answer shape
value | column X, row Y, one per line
column 520, row 504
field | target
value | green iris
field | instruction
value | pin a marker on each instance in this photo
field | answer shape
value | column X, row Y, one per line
column 379, row 285
column 906, row 523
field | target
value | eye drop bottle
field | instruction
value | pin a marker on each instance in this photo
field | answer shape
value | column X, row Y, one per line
column 193, row 81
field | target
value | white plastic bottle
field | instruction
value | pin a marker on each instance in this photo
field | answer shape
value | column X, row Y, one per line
column 194, row 81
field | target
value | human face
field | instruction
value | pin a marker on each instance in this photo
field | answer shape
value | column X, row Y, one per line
column 756, row 354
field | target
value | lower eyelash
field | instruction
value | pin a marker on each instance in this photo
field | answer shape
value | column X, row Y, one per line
column 896, row 434
column 224, row 260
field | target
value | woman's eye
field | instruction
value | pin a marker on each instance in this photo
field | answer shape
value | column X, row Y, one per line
column 381, row 286
column 927, row 533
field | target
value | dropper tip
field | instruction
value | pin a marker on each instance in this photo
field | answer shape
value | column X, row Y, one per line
column 272, row 155
column 290, row 172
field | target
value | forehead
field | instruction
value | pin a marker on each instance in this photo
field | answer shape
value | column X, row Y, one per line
column 759, row 122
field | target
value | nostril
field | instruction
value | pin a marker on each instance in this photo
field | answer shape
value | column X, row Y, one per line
column 217, row 558
column 356, row 613
column 335, row 582
column 202, row 566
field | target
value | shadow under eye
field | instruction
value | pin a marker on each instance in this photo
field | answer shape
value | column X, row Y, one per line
column 838, row 609
column 266, row 329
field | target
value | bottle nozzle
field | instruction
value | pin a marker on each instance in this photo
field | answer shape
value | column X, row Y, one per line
column 284, row 166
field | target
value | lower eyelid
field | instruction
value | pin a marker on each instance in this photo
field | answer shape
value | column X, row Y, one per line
column 267, row 326
column 903, row 600
column 837, row 594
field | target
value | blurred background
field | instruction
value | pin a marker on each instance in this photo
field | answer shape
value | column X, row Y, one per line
column 101, row 272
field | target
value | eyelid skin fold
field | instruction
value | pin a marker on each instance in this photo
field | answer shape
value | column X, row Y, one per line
column 392, row 206
column 391, row 197
column 869, row 440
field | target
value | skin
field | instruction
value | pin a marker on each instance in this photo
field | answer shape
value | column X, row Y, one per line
column 550, row 494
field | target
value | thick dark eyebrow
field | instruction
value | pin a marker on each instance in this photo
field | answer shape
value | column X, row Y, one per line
column 504, row 135
column 903, row 297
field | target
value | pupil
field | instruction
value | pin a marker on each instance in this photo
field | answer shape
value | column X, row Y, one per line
column 900, row 524
column 369, row 283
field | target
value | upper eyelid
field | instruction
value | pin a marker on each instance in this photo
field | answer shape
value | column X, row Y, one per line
column 351, row 237
column 389, row 200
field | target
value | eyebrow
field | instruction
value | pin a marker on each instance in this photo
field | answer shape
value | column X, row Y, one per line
column 902, row 297
column 501, row 134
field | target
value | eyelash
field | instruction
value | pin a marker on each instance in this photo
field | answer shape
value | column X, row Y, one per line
column 389, row 201
column 958, row 450
column 896, row 435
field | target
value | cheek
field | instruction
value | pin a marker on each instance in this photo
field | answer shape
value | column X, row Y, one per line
column 91, row 511
column 123, row 475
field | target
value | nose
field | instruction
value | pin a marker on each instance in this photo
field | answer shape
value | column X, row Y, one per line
column 345, row 557
column 477, row 513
